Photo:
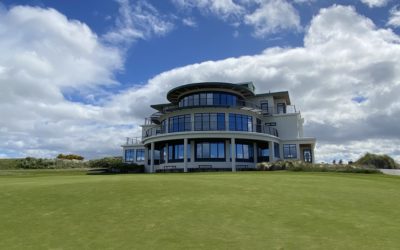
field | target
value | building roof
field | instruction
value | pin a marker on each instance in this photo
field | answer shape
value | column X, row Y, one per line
column 244, row 89
column 277, row 95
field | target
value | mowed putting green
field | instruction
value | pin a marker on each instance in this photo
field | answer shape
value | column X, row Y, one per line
column 254, row 210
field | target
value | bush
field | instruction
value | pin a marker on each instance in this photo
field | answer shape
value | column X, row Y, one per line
column 39, row 163
column 116, row 165
column 70, row 157
column 376, row 161
column 309, row 167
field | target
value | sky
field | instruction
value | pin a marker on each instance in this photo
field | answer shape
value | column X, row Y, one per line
column 80, row 76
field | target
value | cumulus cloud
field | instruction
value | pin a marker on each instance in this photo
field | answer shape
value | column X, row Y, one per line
column 375, row 3
column 344, row 57
column 273, row 16
column 44, row 54
column 394, row 19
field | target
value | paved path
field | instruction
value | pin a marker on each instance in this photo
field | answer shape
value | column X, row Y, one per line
column 390, row 171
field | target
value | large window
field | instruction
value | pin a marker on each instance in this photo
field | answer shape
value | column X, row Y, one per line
column 140, row 155
column 277, row 150
column 209, row 121
column 263, row 152
column 244, row 152
column 129, row 155
column 209, row 99
column 179, row 123
column 239, row 122
column 206, row 151
column 175, row 152
column 289, row 151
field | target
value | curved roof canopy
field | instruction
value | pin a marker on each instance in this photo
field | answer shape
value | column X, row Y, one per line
column 242, row 88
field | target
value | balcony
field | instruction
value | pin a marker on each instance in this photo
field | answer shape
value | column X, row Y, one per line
column 133, row 141
column 277, row 110
column 212, row 126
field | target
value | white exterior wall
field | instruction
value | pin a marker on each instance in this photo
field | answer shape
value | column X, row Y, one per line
column 287, row 125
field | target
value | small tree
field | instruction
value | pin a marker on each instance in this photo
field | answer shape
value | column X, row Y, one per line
column 334, row 162
column 340, row 162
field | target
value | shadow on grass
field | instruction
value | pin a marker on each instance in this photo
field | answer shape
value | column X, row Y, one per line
column 106, row 171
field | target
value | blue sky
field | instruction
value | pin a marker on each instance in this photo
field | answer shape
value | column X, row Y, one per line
column 211, row 39
column 117, row 52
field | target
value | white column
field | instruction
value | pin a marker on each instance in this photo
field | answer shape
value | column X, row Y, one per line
column 271, row 151
column 192, row 145
column 233, row 154
column 166, row 153
column 298, row 151
column 185, row 153
column 312, row 153
column 152, row 157
column 146, row 158
column 227, row 151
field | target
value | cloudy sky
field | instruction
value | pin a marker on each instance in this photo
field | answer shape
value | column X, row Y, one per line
column 79, row 76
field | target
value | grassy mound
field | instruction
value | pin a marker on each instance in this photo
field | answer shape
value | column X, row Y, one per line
column 377, row 161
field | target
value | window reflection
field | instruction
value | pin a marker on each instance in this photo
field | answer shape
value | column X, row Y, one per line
column 209, row 99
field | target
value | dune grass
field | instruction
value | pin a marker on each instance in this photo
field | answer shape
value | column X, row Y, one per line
column 257, row 210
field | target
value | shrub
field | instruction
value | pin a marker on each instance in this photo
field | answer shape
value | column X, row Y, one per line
column 309, row 167
column 116, row 165
column 376, row 161
column 39, row 163
column 70, row 157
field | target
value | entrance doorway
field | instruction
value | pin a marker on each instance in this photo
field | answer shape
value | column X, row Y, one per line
column 307, row 156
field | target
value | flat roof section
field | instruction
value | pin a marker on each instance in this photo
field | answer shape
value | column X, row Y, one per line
column 242, row 88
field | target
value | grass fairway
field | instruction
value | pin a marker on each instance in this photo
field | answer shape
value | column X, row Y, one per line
column 259, row 210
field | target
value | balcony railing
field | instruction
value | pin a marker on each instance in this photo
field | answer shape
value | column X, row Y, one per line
column 212, row 126
column 245, row 105
column 133, row 140
column 288, row 109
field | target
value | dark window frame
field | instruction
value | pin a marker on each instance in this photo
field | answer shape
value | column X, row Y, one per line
column 204, row 122
column 207, row 146
column 289, row 151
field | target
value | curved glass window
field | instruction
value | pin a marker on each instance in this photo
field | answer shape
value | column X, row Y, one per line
column 209, row 121
column 209, row 99
column 239, row 122
column 175, row 152
column 179, row 123
column 207, row 151
column 244, row 152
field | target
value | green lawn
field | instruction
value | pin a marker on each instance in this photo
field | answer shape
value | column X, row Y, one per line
column 255, row 210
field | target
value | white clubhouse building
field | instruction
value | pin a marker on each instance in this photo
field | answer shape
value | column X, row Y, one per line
column 219, row 126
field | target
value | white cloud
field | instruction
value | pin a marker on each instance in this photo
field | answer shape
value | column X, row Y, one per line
column 266, row 17
column 273, row 16
column 190, row 22
column 375, row 3
column 394, row 19
column 44, row 54
column 224, row 9
column 138, row 21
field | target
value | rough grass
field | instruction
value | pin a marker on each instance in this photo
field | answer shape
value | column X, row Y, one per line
column 257, row 210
